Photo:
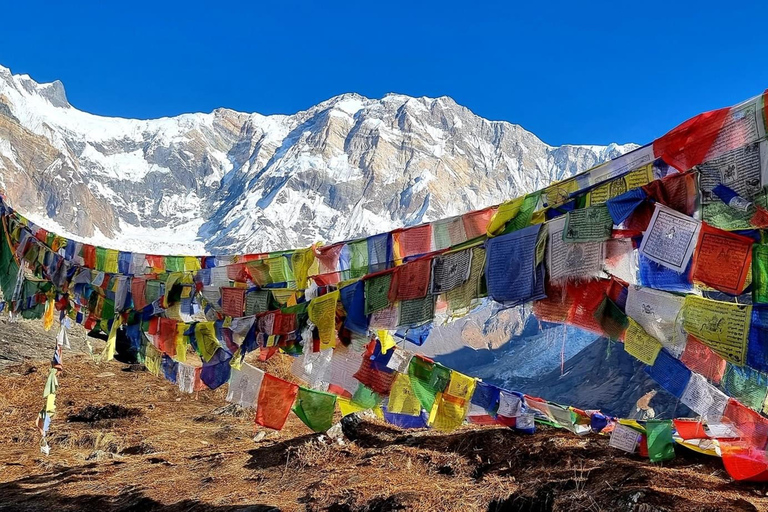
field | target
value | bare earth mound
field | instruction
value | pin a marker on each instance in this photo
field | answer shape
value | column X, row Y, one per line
column 128, row 441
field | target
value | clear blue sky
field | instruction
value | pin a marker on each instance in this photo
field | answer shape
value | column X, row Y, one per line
column 571, row 72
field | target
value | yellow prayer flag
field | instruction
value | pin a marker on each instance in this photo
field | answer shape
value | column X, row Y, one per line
column 402, row 400
column 191, row 264
column 110, row 261
column 507, row 211
column 461, row 386
column 181, row 342
column 302, row 261
column 153, row 360
column 347, row 406
column 722, row 326
column 641, row 345
column 322, row 313
column 205, row 335
column 386, row 339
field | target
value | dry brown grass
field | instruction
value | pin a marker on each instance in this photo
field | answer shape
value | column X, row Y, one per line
column 193, row 452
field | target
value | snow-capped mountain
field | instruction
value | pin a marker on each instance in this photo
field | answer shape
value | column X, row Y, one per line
column 228, row 182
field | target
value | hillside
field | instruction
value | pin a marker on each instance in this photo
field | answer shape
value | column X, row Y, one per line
column 128, row 441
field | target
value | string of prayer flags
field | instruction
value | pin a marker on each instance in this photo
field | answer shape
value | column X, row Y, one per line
column 315, row 408
column 722, row 326
column 670, row 238
column 661, row 445
column 588, row 225
column 632, row 180
column 244, row 385
column 722, row 259
column 640, row 345
column 322, row 313
column 276, row 397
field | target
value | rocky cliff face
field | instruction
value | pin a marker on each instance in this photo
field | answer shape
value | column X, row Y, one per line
column 233, row 182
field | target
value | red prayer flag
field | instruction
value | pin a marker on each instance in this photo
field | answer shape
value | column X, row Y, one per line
column 701, row 359
column 722, row 259
column 690, row 429
column 232, row 301
column 688, row 144
column 276, row 398
column 476, row 223
column 411, row 280
column 89, row 256
column 413, row 241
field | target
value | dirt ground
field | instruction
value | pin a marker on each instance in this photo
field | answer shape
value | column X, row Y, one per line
column 124, row 440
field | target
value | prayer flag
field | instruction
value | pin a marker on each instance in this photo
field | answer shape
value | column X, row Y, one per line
column 276, row 397
column 315, row 408
column 661, row 446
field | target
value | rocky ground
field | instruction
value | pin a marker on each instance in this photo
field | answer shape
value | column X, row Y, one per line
column 126, row 440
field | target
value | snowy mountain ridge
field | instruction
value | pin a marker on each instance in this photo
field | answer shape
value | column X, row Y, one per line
column 228, row 182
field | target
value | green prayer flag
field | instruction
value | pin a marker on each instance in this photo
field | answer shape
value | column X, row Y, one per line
column 523, row 218
column 661, row 446
column 377, row 293
column 174, row 263
column 365, row 397
column 416, row 312
column 588, row 225
column 358, row 259
column 427, row 380
column 101, row 259
column 746, row 385
column 760, row 273
column 315, row 408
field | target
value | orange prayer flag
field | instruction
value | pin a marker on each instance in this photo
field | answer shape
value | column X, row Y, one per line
column 276, row 398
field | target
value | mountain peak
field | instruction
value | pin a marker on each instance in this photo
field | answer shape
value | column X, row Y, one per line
column 229, row 182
